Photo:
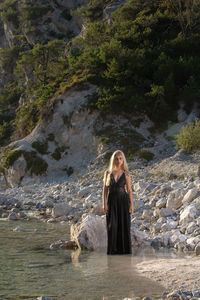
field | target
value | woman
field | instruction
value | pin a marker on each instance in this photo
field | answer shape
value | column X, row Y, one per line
column 118, row 206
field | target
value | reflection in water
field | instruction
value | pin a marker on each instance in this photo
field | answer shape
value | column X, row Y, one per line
column 116, row 274
column 29, row 269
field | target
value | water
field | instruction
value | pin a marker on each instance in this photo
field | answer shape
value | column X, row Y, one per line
column 29, row 269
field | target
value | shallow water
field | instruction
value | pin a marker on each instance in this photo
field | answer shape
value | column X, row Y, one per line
column 29, row 269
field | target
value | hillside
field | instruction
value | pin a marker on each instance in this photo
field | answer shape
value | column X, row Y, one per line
column 82, row 78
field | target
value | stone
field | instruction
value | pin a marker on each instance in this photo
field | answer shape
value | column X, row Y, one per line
column 84, row 192
column 90, row 233
column 188, row 214
column 161, row 203
column 165, row 212
column 63, row 245
column 47, row 203
column 191, row 228
column 178, row 237
column 147, row 214
column 174, row 295
column 16, row 172
column 157, row 227
column 44, row 298
column 197, row 250
column 138, row 204
column 19, row 228
column 141, row 185
column 190, row 195
column 192, row 242
column 174, row 199
column 60, row 209
column 13, row 216
column 196, row 293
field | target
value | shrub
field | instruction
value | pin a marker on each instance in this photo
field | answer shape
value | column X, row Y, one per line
column 51, row 137
column 148, row 155
column 35, row 164
column 9, row 157
column 57, row 153
column 189, row 137
column 41, row 147
column 66, row 14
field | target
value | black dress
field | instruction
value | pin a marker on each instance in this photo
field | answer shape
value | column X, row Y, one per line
column 118, row 217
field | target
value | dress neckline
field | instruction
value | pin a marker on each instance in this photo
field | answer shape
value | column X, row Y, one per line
column 118, row 178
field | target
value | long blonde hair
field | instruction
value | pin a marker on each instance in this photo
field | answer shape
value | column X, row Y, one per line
column 111, row 166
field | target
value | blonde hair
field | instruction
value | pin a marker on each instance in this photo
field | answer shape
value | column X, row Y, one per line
column 111, row 166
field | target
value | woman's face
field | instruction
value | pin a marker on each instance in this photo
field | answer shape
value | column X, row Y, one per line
column 119, row 160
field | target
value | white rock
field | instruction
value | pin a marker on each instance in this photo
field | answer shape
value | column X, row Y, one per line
column 190, row 228
column 16, row 172
column 192, row 242
column 147, row 214
column 90, row 232
column 178, row 237
column 60, row 209
column 191, row 194
column 161, row 203
column 19, row 228
column 165, row 212
column 141, row 185
column 139, row 236
column 84, row 192
column 188, row 214
column 174, row 199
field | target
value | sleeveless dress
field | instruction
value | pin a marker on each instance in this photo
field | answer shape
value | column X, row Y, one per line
column 118, row 218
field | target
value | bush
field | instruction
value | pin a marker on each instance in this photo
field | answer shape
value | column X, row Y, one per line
column 35, row 164
column 189, row 137
column 41, row 147
column 9, row 157
column 145, row 154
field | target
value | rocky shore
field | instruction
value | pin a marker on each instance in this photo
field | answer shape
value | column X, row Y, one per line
column 167, row 215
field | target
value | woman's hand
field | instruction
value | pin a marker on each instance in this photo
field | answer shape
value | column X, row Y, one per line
column 105, row 209
column 131, row 210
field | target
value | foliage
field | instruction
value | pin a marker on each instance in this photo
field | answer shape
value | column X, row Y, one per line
column 142, row 60
column 189, row 137
column 8, row 11
column 35, row 164
column 58, row 151
column 66, row 14
column 10, row 157
column 41, row 147
column 145, row 154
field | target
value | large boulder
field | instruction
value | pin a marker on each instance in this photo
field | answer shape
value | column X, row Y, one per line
column 90, row 233
column 16, row 172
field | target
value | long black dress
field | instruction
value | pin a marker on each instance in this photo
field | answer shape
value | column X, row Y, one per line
column 118, row 217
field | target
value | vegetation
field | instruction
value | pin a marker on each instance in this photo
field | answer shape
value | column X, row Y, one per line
column 145, row 154
column 58, row 152
column 144, row 60
column 35, row 164
column 189, row 137
column 41, row 147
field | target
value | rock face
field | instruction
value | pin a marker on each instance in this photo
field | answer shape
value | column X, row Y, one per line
column 90, row 232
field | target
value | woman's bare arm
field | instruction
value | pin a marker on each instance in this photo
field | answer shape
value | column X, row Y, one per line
column 105, row 194
column 130, row 193
column 104, row 198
